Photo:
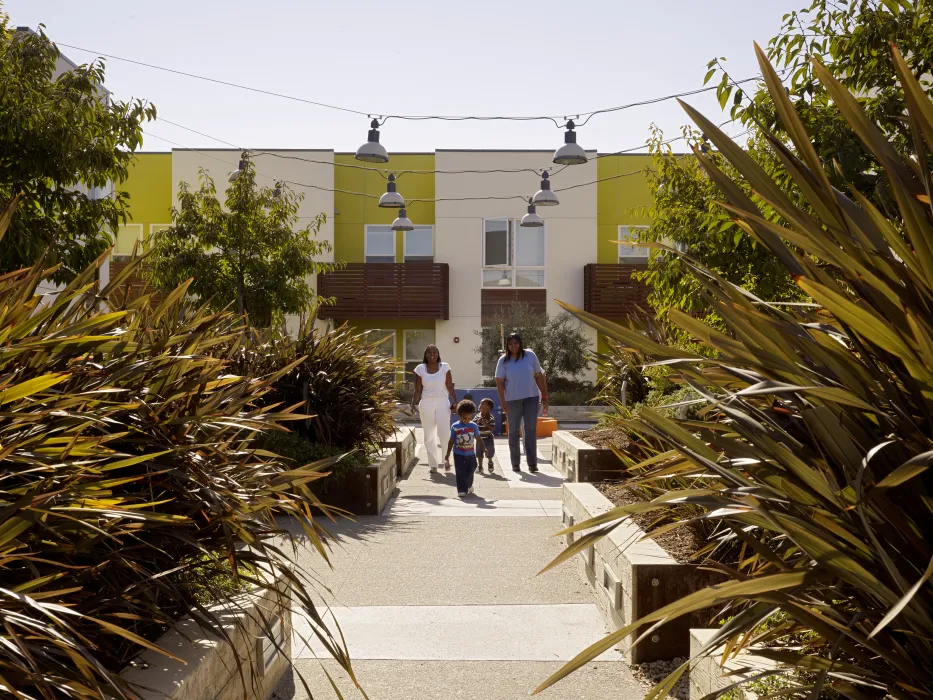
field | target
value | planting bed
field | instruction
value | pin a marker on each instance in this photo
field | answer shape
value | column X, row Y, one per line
column 366, row 490
column 404, row 445
column 707, row 676
column 579, row 460
column 632, row 577
column 207, row 666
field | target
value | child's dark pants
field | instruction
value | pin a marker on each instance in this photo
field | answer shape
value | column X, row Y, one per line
column 464, row 466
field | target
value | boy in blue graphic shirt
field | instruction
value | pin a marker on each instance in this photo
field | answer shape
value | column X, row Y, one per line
column 464, row 439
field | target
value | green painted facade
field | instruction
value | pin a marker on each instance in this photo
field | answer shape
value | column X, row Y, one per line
column 353, row 212
column 620, row 202
column 149, row 186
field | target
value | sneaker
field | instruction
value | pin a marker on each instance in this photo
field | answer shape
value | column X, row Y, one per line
column 516, row 469
column 446, row 467
column 533, row 468
column 462, row 494
column 470, row 490
column 491, row 468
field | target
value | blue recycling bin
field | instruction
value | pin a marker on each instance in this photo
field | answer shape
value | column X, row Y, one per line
column 478, row 395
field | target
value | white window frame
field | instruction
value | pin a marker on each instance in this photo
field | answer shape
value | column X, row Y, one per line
column 155, row 228
column 405, row 242
column 642, row 259
column 139, row 237
column 366, row 231
column 391, row 333
column 511, row 267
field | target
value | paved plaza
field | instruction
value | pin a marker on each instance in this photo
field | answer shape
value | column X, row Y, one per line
column 439, row 596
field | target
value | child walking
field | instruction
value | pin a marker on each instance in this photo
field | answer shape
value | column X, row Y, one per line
column 487, row 425
column 464, row 440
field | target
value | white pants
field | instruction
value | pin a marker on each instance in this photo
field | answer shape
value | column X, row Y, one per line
column 435, row 419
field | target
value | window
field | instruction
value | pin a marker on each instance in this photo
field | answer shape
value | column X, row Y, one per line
column 380, row 244
column 513, row 256
column 154, row 229
column 419, row 244
column 416, row 342
column 629, row 254
column 384, row 344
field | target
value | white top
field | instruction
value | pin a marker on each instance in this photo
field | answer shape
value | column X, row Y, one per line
column 434, row 386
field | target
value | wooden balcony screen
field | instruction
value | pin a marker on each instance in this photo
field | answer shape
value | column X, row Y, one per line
column 609, row 290
column 387, row 290
column 496, row 301
column 135, row 285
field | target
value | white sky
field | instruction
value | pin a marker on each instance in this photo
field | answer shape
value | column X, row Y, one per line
column 484, row 57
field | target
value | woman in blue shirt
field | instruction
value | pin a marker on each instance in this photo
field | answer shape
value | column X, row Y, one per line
column 522, row 389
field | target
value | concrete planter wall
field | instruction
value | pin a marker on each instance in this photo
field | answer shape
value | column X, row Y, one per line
column 404, row 445
column 707, row 676
column 576, row 414
column 632, row 577
column 580, row 461
column 365, row 490
column 208, row 668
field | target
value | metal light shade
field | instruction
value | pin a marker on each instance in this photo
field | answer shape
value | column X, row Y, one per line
column 391, row 199
column 505, row 281
column 532, row 218
column 402, row 223
column 570, row 153
column 372, row 151
column 239, row 170
column 545, row 197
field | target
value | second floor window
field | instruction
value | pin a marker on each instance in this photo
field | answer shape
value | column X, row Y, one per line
column 513, row 256
column 630, row 254
column 418, row 244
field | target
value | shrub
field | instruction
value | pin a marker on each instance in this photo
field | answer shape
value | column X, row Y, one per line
column 300, row 451
column 819, row 435
column 131, row 489
column 338, row 376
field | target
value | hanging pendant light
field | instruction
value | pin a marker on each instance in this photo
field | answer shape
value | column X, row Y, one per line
column 391, row 199
column 545, row 197
column 570, row 153
column 402, row 223
column 241, row 168
column 531, row 219
column 505, row 281
column 372, row 151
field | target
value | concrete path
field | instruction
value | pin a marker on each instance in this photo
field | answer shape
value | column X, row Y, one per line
column 439, row 597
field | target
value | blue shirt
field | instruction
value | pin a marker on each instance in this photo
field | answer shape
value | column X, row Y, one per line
column 519, row 376
column 464, row 436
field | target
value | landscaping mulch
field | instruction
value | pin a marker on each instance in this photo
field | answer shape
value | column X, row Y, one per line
column 604, row 437
column 653, row 672
column 681, row 543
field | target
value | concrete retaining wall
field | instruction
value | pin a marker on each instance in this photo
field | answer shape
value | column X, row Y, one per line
column 404, row 445
column 210, row 669
column 632, row 577
column 707, row 676
column 579, row 461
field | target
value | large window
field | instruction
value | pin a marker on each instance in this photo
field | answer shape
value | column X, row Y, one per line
column 630, row 254
column 419, row 244
column 513, row 256
column 380, row 244
column 128, row 235
column 384, row 343
column 416, row 342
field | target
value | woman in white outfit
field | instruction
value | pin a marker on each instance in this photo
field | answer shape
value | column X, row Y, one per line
column 436, row 400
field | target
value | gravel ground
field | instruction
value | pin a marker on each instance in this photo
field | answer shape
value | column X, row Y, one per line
column 651, row 673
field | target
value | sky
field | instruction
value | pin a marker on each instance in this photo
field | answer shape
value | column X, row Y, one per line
column 425, row 57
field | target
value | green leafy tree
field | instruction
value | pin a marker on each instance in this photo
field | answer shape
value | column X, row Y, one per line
column 559, row 341
column 851, row 39
column 61, row 136
column 244, row 251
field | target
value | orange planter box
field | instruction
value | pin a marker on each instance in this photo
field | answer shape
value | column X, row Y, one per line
column 546, row 427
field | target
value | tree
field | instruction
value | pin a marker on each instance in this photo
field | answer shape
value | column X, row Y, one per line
column 559, row 341
column 851, row 39
column 244, row 251
column 60, row 136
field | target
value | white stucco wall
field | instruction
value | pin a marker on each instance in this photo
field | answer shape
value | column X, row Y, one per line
column 300, row 176
column 570, row 232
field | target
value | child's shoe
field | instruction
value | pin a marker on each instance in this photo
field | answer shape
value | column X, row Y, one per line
column 470, row 490
column 462, row 494
column 491, row 468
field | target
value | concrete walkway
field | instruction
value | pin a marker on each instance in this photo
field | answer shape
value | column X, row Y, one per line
column 439, row 597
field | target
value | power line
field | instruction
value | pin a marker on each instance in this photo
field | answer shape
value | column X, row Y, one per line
column 412, row 117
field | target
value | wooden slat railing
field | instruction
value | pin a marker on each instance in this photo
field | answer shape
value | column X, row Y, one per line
column 609, row 290
column 387, row 290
